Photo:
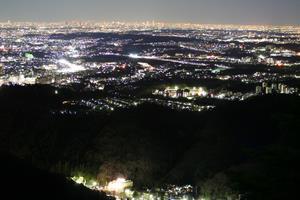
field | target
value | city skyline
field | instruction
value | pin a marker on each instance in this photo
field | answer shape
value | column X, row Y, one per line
column 191, row 11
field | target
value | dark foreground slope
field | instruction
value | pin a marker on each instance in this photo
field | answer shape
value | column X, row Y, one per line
column 251, row 147
column 22, row 181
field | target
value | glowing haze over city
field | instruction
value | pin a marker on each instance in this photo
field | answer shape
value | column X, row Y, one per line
column 193, row 11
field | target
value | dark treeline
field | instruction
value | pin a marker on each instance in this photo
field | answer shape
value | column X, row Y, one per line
column 251, row 147
column 23, row 181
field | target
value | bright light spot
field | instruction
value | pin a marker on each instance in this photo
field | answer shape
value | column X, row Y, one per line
column 262, row 57
column 279, row 64
column 211, row 57
column 119, row 185
column 134, row 56
column 69, row 67
column 79, row 180
column 129, row 193
column 94, row 183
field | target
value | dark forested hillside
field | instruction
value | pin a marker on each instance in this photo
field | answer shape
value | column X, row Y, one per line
column 23, row 181
column 250, row 146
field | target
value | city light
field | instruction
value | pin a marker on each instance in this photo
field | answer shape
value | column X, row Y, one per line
column 149, row 110
column 69, row 67
column 94, row 183
column 78, row 179
column 119, row 185
column 134, row 56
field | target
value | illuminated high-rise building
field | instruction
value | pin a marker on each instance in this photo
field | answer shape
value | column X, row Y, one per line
column 283, row 89
column 264, row 84
column 274, row 87
column 1, row 69
column 258, row 90
column 268, row 90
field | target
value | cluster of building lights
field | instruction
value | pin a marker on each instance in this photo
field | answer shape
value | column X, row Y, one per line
column 121, row 188
column 41, row 53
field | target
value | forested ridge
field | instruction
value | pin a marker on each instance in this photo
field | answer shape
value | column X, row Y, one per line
column 251, row 146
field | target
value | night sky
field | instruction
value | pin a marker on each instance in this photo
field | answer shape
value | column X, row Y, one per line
column 195, row 11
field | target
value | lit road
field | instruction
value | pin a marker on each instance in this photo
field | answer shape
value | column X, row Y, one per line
column 135, row 56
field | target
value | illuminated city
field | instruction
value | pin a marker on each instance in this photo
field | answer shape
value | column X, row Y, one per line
column 183, row 67
column 150, row 100
column 120, row 58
